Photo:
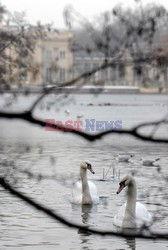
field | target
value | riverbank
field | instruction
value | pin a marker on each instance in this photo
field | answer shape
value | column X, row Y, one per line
column 85, row 90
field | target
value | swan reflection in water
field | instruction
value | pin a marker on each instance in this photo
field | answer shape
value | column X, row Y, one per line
column 86, row 211
column 131, row 242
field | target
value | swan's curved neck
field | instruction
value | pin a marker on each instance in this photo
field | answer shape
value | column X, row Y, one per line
column 130, row 212
column 86, row 197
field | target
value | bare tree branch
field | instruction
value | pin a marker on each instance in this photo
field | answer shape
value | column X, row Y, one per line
column 58, row 88
column 142, row 30
column 27, row 116
column 55, row 216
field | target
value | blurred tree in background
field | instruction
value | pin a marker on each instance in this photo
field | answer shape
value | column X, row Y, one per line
column 18, row 40
column 129, row 38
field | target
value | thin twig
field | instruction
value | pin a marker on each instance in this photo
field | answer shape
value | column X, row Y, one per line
column 66, row 222
column 27, row 116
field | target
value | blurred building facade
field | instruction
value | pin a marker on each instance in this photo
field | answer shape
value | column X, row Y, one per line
column 50, row 63
column 55, row 61
column 116, row 73
column 56, row 57
column 126, row 71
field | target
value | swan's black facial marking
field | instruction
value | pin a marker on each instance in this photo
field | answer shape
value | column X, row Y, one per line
column 90, row 168
column 122, row 183
column 121, row 186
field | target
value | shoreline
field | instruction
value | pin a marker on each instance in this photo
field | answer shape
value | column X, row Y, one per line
column 85, row 90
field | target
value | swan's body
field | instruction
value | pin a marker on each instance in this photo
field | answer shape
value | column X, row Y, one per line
column 79, row 116
column 78, row 196
column 84, row 191
column 141, row 214
column 132, row 214
column 124, row 158
column 149, row 162
column 67, row 111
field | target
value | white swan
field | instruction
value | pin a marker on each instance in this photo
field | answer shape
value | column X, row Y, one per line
column 132, row 214
column 84, row 191
column 124, row 158
column 149, row 162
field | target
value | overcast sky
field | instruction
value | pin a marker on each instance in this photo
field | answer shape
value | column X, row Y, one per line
column 48, row 11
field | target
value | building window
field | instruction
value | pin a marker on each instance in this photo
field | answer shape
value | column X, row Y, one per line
column 62, row 54
column 104, row 74
column 87, row 70
column 166, row 72
column 113, row 73
column 96, row 74
column 48, row 55
column 22, row 72
column 62, row 75
column 138, row 72
column 121, row 69
column 48, row 74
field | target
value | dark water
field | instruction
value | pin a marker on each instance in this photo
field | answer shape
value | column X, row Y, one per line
column 33, row 148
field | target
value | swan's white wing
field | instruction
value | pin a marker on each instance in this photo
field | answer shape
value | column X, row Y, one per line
column 93, row 192
column 77, row 193
column 118, row 219
column 143, row 217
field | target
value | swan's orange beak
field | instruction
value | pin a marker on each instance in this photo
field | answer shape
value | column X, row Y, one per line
column 90, row 168
column 120, row 188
